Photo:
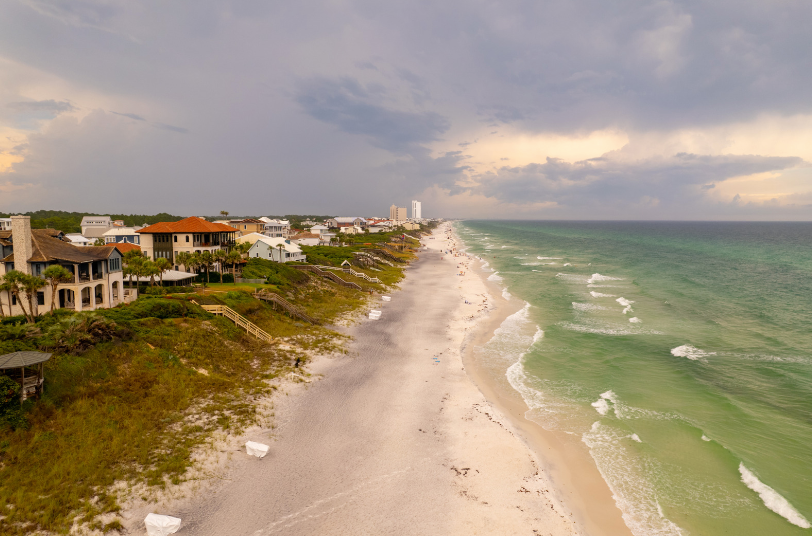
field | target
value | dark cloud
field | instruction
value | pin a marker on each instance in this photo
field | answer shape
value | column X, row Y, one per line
column 50, row 106
column 674, row 182
column 349, row 106
column 362, row 100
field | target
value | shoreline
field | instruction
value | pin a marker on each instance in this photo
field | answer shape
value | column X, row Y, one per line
column 565, row 457
column 393, row 437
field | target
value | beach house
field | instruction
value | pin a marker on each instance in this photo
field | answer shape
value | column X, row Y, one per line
column 97, row 279
column 192, row 235
column 122, row 234
column 276, row 249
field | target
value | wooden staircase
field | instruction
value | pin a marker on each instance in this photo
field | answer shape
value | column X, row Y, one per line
column 327, row 274
column 238, row 319
column 348, row 270
column 373, row 257
column 286, row 306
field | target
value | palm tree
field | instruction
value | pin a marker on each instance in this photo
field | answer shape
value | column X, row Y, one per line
column 132, row 261
column 162, row 265
column 220, row 256
column 31, row 285
column 194, row 262
column 183, row 259
column 99, row 242
column 5, row 287
column 206, row 260
column 14, row 280
column 224, row 213
column 150, row 268
column 56, row 275
column 233, row 258
column 243, row 247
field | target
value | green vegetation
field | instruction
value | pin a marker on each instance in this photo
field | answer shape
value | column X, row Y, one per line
column 132, row 391
column 69, row 222
column 273, row 272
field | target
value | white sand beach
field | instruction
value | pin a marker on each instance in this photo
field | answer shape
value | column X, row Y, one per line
column 397, row 436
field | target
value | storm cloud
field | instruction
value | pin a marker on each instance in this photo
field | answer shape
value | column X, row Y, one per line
column 577, row 109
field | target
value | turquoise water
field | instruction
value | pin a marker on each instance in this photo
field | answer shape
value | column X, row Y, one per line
column 681, row 353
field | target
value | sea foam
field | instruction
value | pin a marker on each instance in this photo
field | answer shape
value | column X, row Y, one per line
column 495, row 277
column 772, row 499
column 599, row 277
column 691, row 352
column 587, row 307
column 549, row 258
column 635, row 320
column 627, row 304
column 599, row 295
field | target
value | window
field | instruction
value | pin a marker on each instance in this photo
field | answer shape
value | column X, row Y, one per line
column 13, row 299
column 175, row 237
column 40, row 298
column 187, row 238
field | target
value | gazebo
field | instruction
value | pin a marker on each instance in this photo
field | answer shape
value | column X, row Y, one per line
column 31, row 382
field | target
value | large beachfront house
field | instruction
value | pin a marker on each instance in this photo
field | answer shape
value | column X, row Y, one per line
column 342, row 221
column 276, row 249
column 97, row 272
column 192, row 235
column 276, row 228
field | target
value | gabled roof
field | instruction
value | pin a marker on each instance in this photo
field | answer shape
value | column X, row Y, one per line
column 46, row 247
column 96, row 220
column 192, row 224
column 299, row 236
column 124, row 247
column 348, row 219
column 247, row 220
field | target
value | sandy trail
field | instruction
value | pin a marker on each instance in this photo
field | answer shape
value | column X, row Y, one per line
column 389, row 440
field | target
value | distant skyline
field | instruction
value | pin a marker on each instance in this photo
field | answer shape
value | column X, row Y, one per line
column 511, row 109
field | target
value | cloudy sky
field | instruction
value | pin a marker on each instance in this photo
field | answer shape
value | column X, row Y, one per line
column 502, row 109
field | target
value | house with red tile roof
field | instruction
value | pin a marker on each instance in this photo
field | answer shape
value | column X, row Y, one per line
column 192, row 235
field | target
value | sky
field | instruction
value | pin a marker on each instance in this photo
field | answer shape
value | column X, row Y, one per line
column 572, row 109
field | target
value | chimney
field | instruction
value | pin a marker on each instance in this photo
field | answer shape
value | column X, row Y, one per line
column 21, row 240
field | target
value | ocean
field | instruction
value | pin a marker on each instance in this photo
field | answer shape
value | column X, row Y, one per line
column 680, row 354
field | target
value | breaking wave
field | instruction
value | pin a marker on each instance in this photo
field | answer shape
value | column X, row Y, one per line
column 691, row 352
column 599, row 295
column 599, row 277
column 772, row 499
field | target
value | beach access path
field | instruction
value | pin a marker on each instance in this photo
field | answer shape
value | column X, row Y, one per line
column 393, row 438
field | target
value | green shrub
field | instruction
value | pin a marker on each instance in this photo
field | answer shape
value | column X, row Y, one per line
column 11, row 414
column 275, row 273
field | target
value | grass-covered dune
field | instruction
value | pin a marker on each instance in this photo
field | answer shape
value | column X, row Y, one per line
column 132, row 391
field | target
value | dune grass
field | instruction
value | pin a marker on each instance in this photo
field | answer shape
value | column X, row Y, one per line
column 133, row 404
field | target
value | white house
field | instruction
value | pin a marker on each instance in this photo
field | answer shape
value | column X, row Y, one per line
column 251, row 238
column 78, row 240
column 5, row 224
column 95, row 226
column 276, row 228
column 348, row 221
column 277, row 250
column 306, row 239
column 122, row 234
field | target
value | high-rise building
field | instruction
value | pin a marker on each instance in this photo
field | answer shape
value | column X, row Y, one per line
column 397, row 213
column 416, row 210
